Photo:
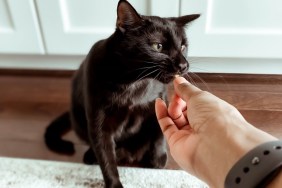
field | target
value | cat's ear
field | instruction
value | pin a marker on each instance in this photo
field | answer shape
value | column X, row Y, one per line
column 184, row 20
column 127, row 16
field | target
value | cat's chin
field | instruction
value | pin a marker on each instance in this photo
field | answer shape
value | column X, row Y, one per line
column 167, row 79
column 170, row 77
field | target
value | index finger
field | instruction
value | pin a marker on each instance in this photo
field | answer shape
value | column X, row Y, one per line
column 184, row 89
column 168, row 127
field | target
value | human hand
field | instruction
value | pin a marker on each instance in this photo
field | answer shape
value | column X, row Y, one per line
column 205, row 134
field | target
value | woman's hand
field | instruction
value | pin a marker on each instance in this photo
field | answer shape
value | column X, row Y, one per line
column 205, row 134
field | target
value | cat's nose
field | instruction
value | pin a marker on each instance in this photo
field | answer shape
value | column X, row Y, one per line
column 181, row 65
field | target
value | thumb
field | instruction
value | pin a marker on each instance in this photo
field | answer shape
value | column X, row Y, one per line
column 185, row 89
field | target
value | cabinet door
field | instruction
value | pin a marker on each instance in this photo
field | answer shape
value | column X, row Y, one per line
column 245, row 34
column 73, row 26
column 19, row 30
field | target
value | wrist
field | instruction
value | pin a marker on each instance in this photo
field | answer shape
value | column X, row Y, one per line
column 258, row 167
column 221, row 150
column 276, row 182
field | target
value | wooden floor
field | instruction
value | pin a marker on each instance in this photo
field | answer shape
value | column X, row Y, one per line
column 29, row 100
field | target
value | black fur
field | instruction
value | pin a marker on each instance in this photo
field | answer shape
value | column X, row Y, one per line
column 113, row 93
column 54, row 132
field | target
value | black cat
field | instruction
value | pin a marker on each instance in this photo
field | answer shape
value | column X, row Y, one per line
column 113, row 93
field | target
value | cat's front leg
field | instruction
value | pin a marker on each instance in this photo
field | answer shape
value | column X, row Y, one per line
column 159, row 153
column 103, row 146
column 156, row 156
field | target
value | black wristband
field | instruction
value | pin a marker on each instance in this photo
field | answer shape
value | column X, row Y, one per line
column 257, row 167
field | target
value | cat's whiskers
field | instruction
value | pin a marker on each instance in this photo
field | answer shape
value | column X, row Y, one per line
column 151, row 62
column 156, row 77
column 202, row 80
column 198, row 58
column 147, row 74
column 195, row 60
column 190, row 79
column 147, row 69
column 156, row 67
column 199, row 69
column 161, row 65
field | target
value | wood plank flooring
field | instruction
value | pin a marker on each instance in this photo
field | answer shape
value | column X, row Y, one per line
column 29, row 100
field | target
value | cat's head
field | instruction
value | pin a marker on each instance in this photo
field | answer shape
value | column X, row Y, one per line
column 151, row 46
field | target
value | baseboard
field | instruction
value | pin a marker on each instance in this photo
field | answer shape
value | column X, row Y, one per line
column 197, row 64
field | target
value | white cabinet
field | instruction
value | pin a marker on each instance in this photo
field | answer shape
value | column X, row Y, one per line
column 236, row 36
column 230, row 36
column 19, row 28
column 73, row 26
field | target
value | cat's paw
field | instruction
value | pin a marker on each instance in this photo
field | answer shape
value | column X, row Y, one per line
column 89, row 157
column 160, row 162
column 116, row 184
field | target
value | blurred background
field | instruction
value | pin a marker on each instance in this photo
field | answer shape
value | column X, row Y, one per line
column 235, row 52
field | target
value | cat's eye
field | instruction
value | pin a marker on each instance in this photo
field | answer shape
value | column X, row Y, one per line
column 157, row 46
column 183, row 47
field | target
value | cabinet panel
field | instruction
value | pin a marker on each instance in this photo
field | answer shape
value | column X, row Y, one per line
column 244, row 29
column 73, row 26
column 235, row 36
column 19, row 30
column 246, row 15
column 5, row 18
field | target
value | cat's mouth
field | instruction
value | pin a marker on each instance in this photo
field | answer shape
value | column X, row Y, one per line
column 169, row 77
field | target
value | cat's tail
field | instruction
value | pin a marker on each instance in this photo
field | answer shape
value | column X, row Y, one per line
column 54, row 132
